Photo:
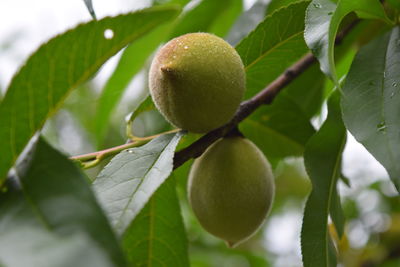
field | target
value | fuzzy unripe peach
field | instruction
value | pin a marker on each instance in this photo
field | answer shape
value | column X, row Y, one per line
column 197, row 81
column 231, row 189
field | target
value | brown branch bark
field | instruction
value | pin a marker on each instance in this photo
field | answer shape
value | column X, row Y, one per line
column 266, row 96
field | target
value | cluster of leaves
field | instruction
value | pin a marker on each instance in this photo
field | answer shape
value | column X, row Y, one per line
column 53, row 215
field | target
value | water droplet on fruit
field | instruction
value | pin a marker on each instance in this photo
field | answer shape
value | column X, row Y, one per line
column 317, row 5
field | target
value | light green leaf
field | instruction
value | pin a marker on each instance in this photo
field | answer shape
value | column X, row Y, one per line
column 209, row 16
column 131, row 62
column 273, row 46
column 157, row 235
column 126, row 184
column 372, row 98
column 60, row 65
column 323, row 18
column 89, row 6
column 26, row 240
column 322, row 159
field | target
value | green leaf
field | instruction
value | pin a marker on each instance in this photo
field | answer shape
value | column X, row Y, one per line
column 336, row 211
column 126, row 184
column 209, row 16
column 372, row 98
column 61, row 194
column 57, row 67
column 131, row 62
column 279, row 130
column 306, row 91
column 273, row 46
column 89, row 6
column 322, row 159
column 157, row 235
column 26, row 240
column 60, row 206
column 323, row 18
column 277, row 4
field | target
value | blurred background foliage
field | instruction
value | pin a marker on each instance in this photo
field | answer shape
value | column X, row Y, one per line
column 371, row 205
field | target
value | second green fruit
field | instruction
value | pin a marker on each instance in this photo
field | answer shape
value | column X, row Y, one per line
column 231, row 189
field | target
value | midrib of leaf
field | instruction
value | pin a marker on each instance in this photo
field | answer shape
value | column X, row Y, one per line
column 263, row 55
column 137, row 188
column 274, row 132
column 335, row 174
column 387, row 141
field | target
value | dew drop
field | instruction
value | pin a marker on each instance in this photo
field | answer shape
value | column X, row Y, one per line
column 108, row 34
column 394, row 84
column 186, row 47
column 317, row 5
column 381, row 127
column 130, row 151
column 392, row 94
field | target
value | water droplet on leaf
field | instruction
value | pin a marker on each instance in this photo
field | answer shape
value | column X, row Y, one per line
column 381, row 127
column 108, row 34
column 317, row 5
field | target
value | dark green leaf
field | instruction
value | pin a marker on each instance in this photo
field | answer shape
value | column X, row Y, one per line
column 27, row 240
column 322, row 158
column 323, row 18
column 336, row 212
column 61, row 194
column 209, row 16
column 157, row 235
column 273, row 46
column 60, row 65
column 280, row 130
column 89, row 6
column 131, row 62
column 372, row 98
column 126, row 184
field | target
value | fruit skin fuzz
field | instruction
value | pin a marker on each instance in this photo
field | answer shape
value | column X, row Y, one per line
column 231, row 189
column 197, row 81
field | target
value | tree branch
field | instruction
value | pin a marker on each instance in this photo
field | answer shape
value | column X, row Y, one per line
column 266, row 96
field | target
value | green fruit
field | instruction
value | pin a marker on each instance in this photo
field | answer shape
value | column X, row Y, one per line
column 197, row 81
column 231, row 189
